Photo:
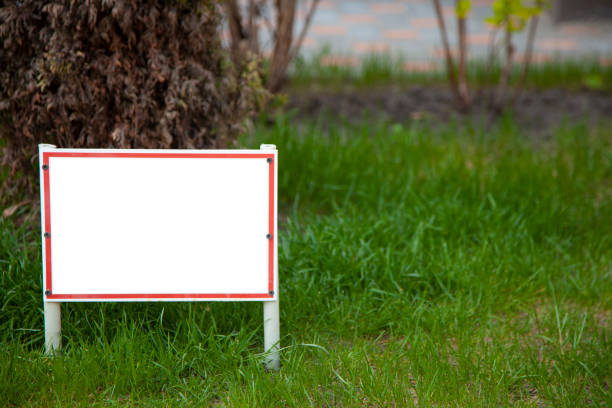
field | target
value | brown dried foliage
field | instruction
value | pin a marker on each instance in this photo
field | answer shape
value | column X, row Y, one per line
column 117, row 73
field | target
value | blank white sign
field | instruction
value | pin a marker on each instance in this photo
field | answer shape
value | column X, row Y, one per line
column 155, row 226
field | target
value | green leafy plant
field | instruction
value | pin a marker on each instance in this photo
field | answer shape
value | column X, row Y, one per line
column 511, row 16
column 511, row 13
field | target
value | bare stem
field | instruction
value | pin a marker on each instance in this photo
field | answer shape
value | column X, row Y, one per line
column 252, row 29
column 307, row 21
column 505, row 74
column 234, row 21
column 462, row 74
column 450, row 66
column 285, row 17
column 533, row 25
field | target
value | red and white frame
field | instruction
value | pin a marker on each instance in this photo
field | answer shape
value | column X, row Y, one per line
column 48, row 151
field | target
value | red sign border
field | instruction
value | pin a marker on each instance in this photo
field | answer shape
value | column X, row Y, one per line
column 47, row 235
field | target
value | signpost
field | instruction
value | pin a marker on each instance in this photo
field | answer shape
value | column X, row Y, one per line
column 159, row 225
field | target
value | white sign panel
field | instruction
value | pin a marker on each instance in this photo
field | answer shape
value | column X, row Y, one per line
column 127, row 225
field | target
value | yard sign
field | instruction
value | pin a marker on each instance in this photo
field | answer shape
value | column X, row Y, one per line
column 159, row 225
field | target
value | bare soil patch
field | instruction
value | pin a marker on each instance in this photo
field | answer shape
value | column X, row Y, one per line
column 536, row 110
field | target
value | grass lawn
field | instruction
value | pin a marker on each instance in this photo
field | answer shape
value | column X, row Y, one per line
column 385, row 69
column 418, row 267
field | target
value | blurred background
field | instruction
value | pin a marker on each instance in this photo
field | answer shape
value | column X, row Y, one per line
column 352, row 29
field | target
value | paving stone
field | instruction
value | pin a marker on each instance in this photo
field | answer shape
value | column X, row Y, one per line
column 371, row 47
column 351, row 7
column 364, row 18
column 479, row 39
column 400, row 34
column 328, row 30
column 557, row 44
column 387, row 8
column 580, row 29
column 326, row 5
column 326, row 17
column 420, row 66
column 364, row 33
column 339, row 61
column 537, row 58
column 605, row 62
column 309, row 42
column 424, row 22
column 482, row 3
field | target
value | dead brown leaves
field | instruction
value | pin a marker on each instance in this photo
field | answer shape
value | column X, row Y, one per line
column 117, row 73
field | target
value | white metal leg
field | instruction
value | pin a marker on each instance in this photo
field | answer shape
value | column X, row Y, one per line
column 270, row 308
column 272, row 334
column 53, row 319
column 53, row 327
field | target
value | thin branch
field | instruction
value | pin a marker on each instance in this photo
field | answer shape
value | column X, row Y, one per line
column 492, row 50
column 505, row 74
column 234, row 21
column 307, row 21
column 253, row 39
column 265, row 17
column 266, row 20
column 491, row 60
column 533, row 25
column 285, row 18
column 450, row 66
column 462, row 75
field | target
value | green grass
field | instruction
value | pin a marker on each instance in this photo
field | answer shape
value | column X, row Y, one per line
column 386, row 69
column 418, row 267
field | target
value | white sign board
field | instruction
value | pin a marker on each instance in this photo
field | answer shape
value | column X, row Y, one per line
column 141, row 225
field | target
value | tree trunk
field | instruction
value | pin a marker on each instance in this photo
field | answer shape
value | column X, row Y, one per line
column 252, row 29
column 285, row 17
column 237, row 33
column 245, row 37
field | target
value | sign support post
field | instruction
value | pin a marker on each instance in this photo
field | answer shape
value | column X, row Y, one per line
column 271, row 312
column 52, row 310
column 53, row 327
column 272, row 334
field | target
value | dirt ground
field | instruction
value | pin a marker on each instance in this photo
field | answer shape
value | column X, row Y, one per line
column 537, row 111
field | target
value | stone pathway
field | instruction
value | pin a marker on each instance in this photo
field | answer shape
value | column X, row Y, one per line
column 350, row 29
